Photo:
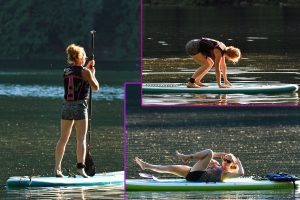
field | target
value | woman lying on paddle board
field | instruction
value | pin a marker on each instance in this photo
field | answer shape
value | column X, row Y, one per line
column 206, row 168
column 77, row 81
column 208, row 52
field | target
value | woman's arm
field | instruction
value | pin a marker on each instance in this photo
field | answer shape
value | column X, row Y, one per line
column 218, row 57
column 241, row 169
column 219, row 67
column 224, row 71
column 219, row 154
column 89, row 75
column 239, row 173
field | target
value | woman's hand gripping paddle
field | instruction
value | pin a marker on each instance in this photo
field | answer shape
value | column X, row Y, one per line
column 90, row 168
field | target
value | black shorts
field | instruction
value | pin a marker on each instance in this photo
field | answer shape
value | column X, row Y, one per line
column 74, row 110
column 192, row 47
column 194, row 176
column 196, row 46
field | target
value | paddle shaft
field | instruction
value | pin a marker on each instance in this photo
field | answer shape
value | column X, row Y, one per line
column 90, row 95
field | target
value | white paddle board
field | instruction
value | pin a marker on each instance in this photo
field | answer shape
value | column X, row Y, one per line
column 111, row 178
column 242, row 88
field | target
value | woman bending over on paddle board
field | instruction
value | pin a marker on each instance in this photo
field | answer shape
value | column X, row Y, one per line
column 206, row 168
column 208, row 52
column 77, row 81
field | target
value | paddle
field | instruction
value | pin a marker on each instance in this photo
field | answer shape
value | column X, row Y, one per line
column 90, row 168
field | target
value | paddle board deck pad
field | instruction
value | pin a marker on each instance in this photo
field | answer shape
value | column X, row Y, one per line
column 105, row 179
column 236, row 88
column 183, row 185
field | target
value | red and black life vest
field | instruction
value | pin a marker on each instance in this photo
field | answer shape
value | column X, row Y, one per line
column 76, row 88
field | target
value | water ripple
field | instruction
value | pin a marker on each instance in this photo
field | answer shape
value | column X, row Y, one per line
column 108, row 93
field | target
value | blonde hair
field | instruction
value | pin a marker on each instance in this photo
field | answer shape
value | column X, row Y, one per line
column 74, row 53
column 233, row 54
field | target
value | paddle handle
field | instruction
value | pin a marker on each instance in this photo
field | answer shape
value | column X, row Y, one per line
column 92, row 45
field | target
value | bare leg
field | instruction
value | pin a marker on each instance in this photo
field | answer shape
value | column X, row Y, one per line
column 204, row 157
column 81, row 130
column 184, row 158
column 178, row 170
column 66, row 130
column 205, row 65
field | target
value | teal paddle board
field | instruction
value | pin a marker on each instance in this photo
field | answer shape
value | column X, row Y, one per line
column 105, row 179
column 240, row 87
column 183, row 185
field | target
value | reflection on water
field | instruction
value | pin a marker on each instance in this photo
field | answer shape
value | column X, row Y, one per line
column 224, row 195
column 58, row 193
column 220, row 99
column 106, row 92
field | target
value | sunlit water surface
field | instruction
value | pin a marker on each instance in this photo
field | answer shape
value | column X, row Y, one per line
column 30, row 112
column 268, row 37
column 179, row 69
column 264, row 138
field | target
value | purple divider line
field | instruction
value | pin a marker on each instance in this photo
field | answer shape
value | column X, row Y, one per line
column 141, row 39
column 125, row 91
column 124, row 127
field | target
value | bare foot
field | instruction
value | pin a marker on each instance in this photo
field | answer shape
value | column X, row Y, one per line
column 58, row 173
column 181, row 156
column 227, row 83
column 82, row 173
column 224, row 86
column 192, row 85
column 141, row 163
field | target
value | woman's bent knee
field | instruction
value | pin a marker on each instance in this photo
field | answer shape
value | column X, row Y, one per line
column 207, row 67
column 209, row 152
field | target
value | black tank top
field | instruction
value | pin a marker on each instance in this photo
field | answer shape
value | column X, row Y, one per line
column 76, row 88
column 207, row 46
column 211, row 175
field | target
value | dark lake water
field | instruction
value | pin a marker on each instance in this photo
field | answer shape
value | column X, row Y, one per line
column 30, row 102
column 264, row 138
column 267, row 36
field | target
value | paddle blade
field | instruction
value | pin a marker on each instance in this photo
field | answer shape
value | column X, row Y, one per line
column 90, row 168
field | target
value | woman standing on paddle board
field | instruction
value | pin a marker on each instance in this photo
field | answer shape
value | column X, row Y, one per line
column 208, row 52
column 77, row 81
column 206, row 168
